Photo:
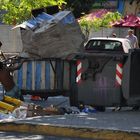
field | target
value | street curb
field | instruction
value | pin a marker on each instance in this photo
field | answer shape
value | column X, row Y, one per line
column 70, row 131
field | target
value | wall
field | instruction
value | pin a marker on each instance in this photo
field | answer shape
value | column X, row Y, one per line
column 104, row 32
column 133, row 8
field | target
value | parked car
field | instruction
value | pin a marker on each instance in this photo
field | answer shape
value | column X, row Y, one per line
column 108, row 44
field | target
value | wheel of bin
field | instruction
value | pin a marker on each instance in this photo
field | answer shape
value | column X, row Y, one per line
column 100, row 108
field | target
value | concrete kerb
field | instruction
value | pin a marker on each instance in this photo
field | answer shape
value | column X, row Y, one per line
column 70, row 131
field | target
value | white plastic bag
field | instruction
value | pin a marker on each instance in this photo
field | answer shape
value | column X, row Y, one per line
column 20, row 112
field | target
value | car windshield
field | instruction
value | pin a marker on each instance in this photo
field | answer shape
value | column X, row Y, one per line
column 104, row 45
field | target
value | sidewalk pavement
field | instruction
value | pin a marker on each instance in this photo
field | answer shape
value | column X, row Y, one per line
column 121, row 125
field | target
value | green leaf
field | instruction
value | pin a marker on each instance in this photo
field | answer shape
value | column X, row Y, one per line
column 20, row 10
column 97, row 23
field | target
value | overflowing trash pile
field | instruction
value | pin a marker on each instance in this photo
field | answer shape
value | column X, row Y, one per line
column 12, row 108
column 48, row 36
column 15, row 108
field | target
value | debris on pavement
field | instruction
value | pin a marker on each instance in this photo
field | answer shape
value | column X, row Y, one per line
column 21, row 109
column 89, row 109
column 12, row 108
column 37, row 110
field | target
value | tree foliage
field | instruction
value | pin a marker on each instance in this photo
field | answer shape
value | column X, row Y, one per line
column 96, row 23
column 82, row 6
column 19, row 10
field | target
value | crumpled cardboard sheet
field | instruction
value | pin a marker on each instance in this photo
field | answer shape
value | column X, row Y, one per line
column 57, row 39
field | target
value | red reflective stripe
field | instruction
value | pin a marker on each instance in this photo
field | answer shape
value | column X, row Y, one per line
column 79, row 71
column 78, row 62
column 117, row 84
column 119, row 74
column 79, row 81
column 120, row 64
